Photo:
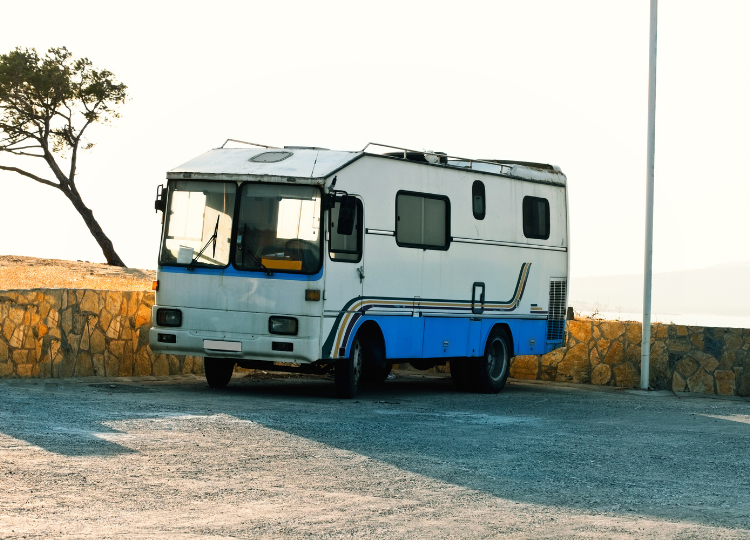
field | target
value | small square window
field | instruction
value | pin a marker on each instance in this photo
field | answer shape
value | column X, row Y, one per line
column 536, row 218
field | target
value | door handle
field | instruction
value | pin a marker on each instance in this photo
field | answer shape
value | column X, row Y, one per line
column 361, row 272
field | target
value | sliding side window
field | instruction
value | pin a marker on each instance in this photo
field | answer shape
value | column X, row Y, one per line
column 422, row 220
column 536, row 218
column 345, row 247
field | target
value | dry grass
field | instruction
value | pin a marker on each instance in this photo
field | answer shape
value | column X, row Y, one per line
column 18, row 272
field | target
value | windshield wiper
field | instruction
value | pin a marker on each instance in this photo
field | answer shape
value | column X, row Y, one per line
column 241, row 246
column 213, row 238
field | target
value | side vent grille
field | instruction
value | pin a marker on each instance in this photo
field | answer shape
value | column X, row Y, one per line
column 556, row 310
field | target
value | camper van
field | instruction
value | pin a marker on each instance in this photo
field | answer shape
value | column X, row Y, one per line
column 312, row 260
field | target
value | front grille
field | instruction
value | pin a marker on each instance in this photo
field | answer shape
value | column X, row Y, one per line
column 556, row 310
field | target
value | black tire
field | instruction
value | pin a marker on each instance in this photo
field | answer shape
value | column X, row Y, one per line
column 348, row 371
column 489, row 373
column 218, row 371
column 460, row 373
column 375, row 367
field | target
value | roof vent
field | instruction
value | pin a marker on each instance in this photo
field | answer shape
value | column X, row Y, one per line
column 270, row 157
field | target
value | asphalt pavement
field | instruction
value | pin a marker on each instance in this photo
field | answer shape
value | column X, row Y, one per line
column 281, row 457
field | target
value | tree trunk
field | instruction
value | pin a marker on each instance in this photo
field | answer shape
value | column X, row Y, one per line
column 113, row 259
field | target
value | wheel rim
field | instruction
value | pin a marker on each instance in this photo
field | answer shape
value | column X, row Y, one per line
column 356, row 362
column 497, row 356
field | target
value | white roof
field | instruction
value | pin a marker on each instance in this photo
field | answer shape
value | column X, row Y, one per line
column 235, row 164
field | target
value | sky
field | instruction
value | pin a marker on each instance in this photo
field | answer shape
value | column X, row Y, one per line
column 546, row 81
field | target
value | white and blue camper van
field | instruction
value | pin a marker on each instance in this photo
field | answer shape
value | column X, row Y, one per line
column 310, row 260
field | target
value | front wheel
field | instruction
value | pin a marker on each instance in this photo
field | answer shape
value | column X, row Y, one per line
column 218, row 371
column 491, row 371
column 348, row 371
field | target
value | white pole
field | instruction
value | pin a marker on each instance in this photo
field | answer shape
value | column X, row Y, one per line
column 646, row 343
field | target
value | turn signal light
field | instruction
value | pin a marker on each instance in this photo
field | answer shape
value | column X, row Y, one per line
column 312, row 295
column 155, row 285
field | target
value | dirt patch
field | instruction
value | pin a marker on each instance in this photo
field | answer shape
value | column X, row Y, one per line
column 17, row 272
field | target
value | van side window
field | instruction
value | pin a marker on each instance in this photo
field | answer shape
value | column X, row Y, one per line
column 422, row 220
column 478, row 205
column 536, row 218
column 345, row 248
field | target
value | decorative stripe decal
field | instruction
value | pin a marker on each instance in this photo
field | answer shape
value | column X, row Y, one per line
column 357, row 307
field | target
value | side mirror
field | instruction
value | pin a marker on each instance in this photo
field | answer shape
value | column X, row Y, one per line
column 347, row 215
column 161, row 199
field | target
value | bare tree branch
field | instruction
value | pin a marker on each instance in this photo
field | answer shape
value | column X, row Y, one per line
column 29, row 175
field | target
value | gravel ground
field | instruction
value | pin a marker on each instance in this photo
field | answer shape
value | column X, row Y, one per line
column 17, row 272
column 281, row 458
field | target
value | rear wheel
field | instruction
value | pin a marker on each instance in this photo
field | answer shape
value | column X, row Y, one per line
column 218, row 371
column 348, row 371
column 489, row 373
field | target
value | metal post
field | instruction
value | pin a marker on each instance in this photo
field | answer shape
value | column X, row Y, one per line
column 646, row 343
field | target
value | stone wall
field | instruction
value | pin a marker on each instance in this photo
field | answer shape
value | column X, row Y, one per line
column 683, row 358
column 79, row 333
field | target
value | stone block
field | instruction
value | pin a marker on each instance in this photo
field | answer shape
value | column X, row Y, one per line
column 706, row 361
column 634, row 333
column 41, row 330
column 3, row 351
column 67, row 364
column 602, row 346
column 712, row 346
column 132, row 303
column 113, row 302
column 522, row 367
column 104, row 319
column 174, row 365
column 98, row 341
column 17, row 314
column 701, row 382
column 113, row 332
column 659, row 331
column 615, row 354
column 91, row 302
column 627, row 375
column 681, row 330
column 6, row 369
column 143, row 316
column 24, row 370
column 602, row 374
column 126, row 361
column 18, row 337
column 678, row 383
column 83, row 365
column 743, row 388
column 725, row 382
column 686, row 367
column 575, row 366
column 612, row 329
column 72, row 300
column 594, row 358
column 142, row 364
column 8, row 328
column 727, row 360
column 580, row 330
column 116, row 348
column 697, row 340
column 85, row 342
column 97, row 362
column 20, row 356
column 161, row 366
column 679, row 344
column 67, row 320
column 732, row 341
column 148, row 298
column 80, row 321
column 633, row 353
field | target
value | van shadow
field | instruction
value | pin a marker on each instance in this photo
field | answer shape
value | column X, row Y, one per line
column 590, row 451
column 63, row 423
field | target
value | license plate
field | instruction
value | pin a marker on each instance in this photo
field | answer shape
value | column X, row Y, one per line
column 212, row 345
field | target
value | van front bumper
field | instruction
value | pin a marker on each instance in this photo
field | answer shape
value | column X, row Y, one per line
column 240, row 347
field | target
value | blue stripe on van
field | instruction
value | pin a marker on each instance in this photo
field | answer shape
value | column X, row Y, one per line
column 233, row 272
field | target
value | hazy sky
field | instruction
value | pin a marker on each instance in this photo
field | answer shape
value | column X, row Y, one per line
column 562, row 82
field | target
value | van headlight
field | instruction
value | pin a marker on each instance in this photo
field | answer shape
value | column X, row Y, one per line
column 168, row 317
column 283, row 325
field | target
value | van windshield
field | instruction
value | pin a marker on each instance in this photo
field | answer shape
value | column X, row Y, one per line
column 278, row 228
column 196, row 211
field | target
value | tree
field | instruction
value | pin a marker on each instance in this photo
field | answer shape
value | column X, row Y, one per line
column 46, row 105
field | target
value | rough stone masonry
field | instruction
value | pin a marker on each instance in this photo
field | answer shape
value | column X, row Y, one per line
column 80, row 333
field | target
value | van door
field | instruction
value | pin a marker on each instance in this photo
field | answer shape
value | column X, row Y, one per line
column 343, row 281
